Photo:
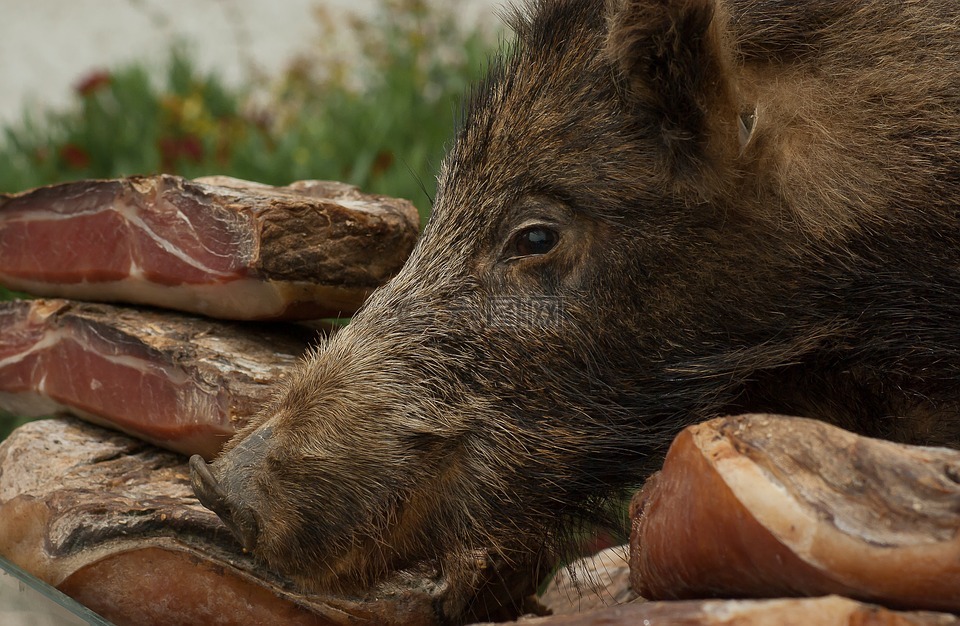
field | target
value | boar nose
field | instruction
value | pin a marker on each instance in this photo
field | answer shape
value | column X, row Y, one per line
column 231, row 496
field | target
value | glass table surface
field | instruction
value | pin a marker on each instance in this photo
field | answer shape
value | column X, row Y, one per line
column 27, row 601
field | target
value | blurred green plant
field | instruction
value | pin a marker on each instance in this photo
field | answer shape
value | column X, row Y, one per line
column 381, row 118
column 123, row 123
column 9, row 422
column 378, row 118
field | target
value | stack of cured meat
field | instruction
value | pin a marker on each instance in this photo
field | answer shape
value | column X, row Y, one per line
column 175, row 359
column 173, row 305
column 209, row 248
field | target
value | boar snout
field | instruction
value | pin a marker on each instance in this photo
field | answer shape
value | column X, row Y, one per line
column 224, row 487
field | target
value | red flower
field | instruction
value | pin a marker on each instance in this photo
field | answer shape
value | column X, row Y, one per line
column 92, row 82
column 191, row 148
column 381, row 162
column 75, row 156
column 173, row 149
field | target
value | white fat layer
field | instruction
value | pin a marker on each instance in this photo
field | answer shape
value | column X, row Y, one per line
column 34, row 404
column 245, row 299
column 31, row 404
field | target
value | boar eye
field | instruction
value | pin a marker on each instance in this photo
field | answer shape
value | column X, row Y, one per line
column 535, row 240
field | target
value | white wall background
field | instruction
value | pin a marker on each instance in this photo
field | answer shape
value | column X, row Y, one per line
column 46, row 46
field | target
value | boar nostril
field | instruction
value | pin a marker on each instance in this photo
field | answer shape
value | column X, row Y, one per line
column 237, row 516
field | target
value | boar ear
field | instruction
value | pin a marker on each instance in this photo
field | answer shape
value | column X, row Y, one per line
column 675, row 61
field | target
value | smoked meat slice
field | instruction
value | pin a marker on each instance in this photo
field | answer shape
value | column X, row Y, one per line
column 769, row 506
column 217, row 246
column 185, row 383
column 112, row 522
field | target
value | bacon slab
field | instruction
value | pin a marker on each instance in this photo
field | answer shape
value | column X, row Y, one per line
column 113, row 523
column 217, row 246
column 184, row 383
column 768, row 506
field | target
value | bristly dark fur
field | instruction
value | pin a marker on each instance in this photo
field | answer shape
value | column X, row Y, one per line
column 807, row 264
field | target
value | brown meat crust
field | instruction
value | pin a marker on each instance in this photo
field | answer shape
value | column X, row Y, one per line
column 182, row 382
column 218, row 246
column 768, row 506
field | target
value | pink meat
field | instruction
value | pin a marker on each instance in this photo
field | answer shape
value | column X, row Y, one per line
column 105, row 233
column 219, row 247
column 139, row 371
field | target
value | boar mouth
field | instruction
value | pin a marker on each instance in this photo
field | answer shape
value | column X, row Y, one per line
column 225, row 498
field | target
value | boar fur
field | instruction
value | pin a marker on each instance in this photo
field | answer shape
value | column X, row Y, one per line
column 654, row 212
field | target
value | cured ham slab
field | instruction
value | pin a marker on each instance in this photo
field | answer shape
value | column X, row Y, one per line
column 217, row 246
column 112, row 522
column 767, row 506
column 185, row 383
